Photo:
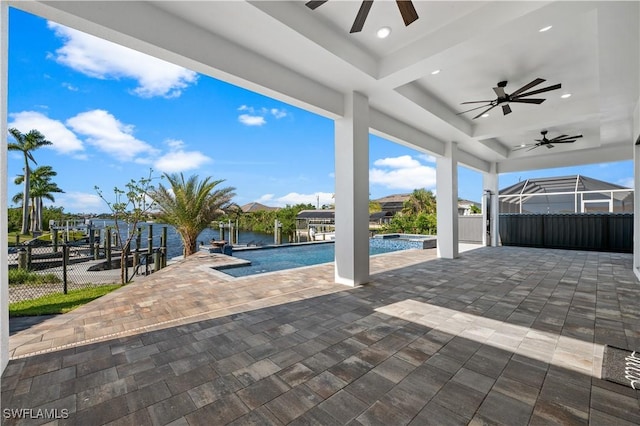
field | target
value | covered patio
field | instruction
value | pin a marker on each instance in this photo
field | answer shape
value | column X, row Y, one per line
column 495, row 335
column 505, row 335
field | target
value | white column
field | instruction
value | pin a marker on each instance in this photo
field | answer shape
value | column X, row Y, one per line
column 447, row 199
column 490, row 183
column 352, row 192
column 4, row 279
column 636, row 192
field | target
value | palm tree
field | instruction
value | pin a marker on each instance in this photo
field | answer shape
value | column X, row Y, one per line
column 26, row 143
column 190, row 205
column 420, row 201
column 41, row 188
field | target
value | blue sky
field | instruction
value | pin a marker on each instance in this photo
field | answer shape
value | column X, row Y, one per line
column 113, row 113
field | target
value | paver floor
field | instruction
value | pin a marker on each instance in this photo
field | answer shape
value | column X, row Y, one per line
column 502, row 335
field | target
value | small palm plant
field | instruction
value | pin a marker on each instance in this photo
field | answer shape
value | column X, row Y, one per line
column 190, row 205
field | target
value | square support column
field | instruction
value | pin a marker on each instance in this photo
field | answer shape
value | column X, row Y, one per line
column 352, row 192
column 4, row 279
column 447, row 199
column 490, row 212
column 636, row 194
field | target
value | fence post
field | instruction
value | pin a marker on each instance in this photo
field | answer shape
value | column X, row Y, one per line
column 22, row 258
column 96, row 250
column 29, row 253
column 156, row 260
column 150, row 239
column 55, row 238
column 107, row 247
column 65, row 263
column 163, row 247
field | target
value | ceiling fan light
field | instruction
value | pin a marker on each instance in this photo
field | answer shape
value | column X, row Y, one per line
column 485, row 115
column 566, row 95
column 434, row 72
column 383, row 32
column 545, row 29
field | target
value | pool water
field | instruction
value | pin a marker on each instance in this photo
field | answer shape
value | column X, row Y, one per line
column 280, row 258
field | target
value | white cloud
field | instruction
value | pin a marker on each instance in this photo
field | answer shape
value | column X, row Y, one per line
column 278, row 113
column 109, row 135
column 251, row 120
column 179, row 161
column 102, row 59
column 257, row 116
column 404, row 173
column 427, row 158
column 81, row 202
column 293, row 198
column 64, row 140
column 404, row 161
column 70, row 87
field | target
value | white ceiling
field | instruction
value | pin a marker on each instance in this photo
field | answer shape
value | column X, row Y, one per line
column 308, row 58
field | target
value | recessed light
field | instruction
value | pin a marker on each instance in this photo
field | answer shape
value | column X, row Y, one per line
column 566, row 95
column 485, row 115
column 434, row 72
column 383, row 32
column 542, row 30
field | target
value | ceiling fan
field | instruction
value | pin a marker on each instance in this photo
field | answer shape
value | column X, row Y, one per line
column 407, row 11
column 505, row 99
column 548, row 142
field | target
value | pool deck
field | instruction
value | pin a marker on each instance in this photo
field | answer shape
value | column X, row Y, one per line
column 503, row 335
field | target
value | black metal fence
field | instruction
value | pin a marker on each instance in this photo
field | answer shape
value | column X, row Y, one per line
column 46, row 268
column 612, row 232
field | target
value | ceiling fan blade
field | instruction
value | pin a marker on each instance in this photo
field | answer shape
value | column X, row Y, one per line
column 519, row 147
column 500, row 92
column 473, row 109
column 407, row 11
column 564, row 141
column 506, row 109
column 565, row 137
column 476, row 102
column 535, row 92
column 485, row 111
column 528, row 101
column 537, row 145
column 358, row 23
column 549, row 146
column 528, row 86
column 314, row 4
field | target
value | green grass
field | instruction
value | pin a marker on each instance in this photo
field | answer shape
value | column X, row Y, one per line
column 59, row 303
column 23, row 238
column 22, row 276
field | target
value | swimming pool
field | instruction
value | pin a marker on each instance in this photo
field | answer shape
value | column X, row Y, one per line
column 279, row 258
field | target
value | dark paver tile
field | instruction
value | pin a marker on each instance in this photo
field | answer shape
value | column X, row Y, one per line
column 459, row 399
column 262, row 391
column 293, row 404
column 149, row 395
column 325, row 384
column 434, row 414
column 261, row 416
column 223, row 410
column 350, row 369
column 105, row 412
column 551, row 413
column 615, row 404
column 343, row 406
column 171, row 409
column 381, row 413
column 370, row 387
column 190, row 379
column 296, row 374
column 502, row 409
